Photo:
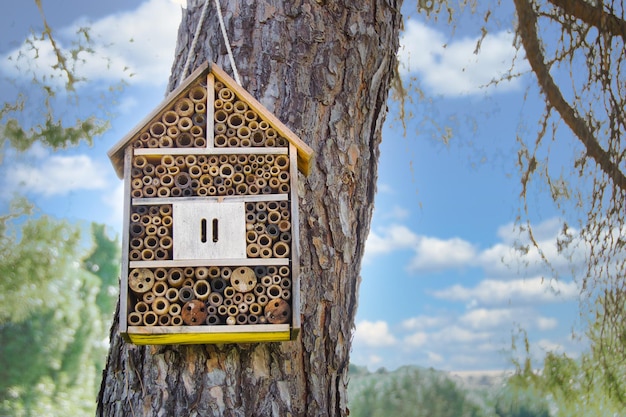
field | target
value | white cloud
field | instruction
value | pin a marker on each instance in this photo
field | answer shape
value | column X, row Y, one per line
column 452, row 68
column 515, row 292
column 57, row 175
column 424, row 322
column 139, row 42
column 392, row 238
column 374, row 334
column 435, row 254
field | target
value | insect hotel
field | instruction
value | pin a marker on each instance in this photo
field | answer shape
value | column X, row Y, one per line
column 210, row 240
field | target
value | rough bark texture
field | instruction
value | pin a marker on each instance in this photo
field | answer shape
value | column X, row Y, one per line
column 324, row 69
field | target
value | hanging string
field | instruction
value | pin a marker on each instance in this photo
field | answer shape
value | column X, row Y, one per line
column 227, row 42
column 192, row 48
column 195, row 41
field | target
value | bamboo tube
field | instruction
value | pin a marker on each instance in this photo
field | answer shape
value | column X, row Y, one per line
column 253, row 189
column 240, row 106
column 201, row 272
column 249, row 297
column 270, row 142
column 175, row 277
column 157, row 129
column 233, row 310
column 170, row 118
column 238, row 298
column 199, row 142
column 284, row 188
column 243, row 308
column 274, row 291
column 251, row 116
column 220, row 128
column 185, row 124
column 263, row 125
column 235, row 120
column 135, row 319
column 154, row 142
column 195, row 171
column 135, row 217
column 136, row 144
column 233, row 141
column 151, row 241
column 225, row 273
column 264, row 240
column 136, row 183
column 197, row 94
column 166, row 243
column 218, row 103
column 147, row 298
column 184, row 140
column 144, row 137
column 177, row 321
column 160, row 274
column 186, row 294
column 274, row 184
column 171, row 295
column 147, row 254
column 174, row 309
column 253, row 250
column 172, row 132
column 140, row 161
column 149, row 191
column 201, row 289
column 151, row 230
column 216, row 299
column 281, row 250
column 286, row 295
column 220, row 141
column 136, row 243
column 218, row 285
column 226, row 94
column 229, row 292
column 276, row 279
column 196, row 131
column 164, row 320
column 251, row 236
column 160, row 305
column 273, row 217
column 200, row 108
column 218, row 85
column 222, row 310
column 165, row 142
column 262, row 300
column 285, row 283
column 142, row 307
column 243, row 132
column 255, row 309
column 184, row 107
column 134, row 255
column 159, row 289
column 189, row 272
column 182, row 180
column 212, row 319
column 260, row 288
column 266, row 253
column 272, row 231
column 283, row 177
column 231, row 320
column 214, row 272
column 166, row 222
column 136, row 172
column 220, row 117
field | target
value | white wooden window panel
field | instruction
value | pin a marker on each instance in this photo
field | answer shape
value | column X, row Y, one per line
column 209, row 230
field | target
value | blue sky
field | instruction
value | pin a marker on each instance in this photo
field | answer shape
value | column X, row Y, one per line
column 442, row 284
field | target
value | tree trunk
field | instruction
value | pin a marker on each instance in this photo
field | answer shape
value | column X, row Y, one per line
column 324, row 69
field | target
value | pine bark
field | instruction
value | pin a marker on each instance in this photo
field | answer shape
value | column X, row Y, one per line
column 324, row 69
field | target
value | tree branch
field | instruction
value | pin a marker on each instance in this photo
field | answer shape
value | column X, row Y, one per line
column 593, row 15
column 527, row 29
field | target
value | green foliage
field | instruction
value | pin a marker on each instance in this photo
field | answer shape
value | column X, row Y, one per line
column 52, row 331
column 411, row 392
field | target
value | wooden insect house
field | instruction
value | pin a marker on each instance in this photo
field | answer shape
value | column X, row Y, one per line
column 210, row 240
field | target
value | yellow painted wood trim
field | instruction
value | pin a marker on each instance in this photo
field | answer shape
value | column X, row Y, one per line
column 305, row 153
column 141, row 335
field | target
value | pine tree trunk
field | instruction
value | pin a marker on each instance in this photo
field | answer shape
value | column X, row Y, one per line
column 324, row 69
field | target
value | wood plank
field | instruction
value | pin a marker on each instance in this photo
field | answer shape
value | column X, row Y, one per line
column 213, row 151
column 124, row 301
column 116, row 153
column 181, row 263
column 209, row 338
column 221, row 328
column 295, row 241
column 210, row 110
column 305, row 153
column 210, row 199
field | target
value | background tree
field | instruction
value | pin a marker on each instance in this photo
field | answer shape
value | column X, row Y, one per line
column 576, row 54
column 324, row 69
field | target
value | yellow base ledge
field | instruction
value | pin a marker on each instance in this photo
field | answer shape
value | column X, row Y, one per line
column 188, row 335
